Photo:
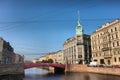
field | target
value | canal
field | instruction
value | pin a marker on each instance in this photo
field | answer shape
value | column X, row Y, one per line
column 38, row 74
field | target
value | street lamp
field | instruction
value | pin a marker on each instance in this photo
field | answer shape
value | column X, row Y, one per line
column 88, row 54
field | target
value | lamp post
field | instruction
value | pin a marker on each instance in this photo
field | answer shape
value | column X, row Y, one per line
column 88, row 54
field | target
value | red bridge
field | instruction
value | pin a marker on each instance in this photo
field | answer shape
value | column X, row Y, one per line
column 58, row 68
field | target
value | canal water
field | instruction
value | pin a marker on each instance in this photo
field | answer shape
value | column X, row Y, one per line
column 38, row 74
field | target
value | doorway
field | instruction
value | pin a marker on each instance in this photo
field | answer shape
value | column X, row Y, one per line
column 108, row 62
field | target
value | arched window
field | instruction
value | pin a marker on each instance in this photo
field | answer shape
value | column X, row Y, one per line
column 116, row 36
column 111, row 30
column 115, row 29
column 117, row 43
column 113, row 44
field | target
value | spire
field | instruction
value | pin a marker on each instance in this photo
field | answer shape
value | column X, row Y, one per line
column 78, row 18
column 79, row 30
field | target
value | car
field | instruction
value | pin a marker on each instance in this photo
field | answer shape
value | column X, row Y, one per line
column 93, row 64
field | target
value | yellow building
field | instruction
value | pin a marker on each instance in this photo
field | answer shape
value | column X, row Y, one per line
column 59, row 57
column 42, row 58
column 47, row 56
column 34, row 61
column 51, row 55
column 105, row 43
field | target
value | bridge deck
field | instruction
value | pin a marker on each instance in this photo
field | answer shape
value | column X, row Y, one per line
column 31, row 65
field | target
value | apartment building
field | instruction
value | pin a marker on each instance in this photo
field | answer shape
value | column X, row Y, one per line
column 59, row 58
column 105, row 43
column 6, row 52
column 19, row 58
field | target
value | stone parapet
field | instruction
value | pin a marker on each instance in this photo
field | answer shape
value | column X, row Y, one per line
column 85, row 68
column 11, row 69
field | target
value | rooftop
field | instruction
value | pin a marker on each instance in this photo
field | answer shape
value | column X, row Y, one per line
column 107, row 24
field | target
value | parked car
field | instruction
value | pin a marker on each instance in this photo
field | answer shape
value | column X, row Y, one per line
column 93, row 64
column 116, row 66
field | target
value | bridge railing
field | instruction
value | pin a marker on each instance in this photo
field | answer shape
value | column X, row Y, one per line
column 43, row 64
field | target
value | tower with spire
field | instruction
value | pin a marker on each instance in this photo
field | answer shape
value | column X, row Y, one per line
column 79, row 29
column 79, row 46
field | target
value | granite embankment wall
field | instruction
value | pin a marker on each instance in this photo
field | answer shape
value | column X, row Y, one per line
column 11, row 69
column 84, row 68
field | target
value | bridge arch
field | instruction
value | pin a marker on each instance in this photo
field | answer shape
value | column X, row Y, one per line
column 58, row 68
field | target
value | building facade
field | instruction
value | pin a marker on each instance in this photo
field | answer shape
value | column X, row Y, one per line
column 42, row 58
column 59, row 58
column 53, row 56
column 19, row 58
column 6, row 52
column 105, row 43
column 77, row 50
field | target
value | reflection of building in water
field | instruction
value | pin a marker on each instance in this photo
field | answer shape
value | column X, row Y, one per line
column 87, row 77
column 12, row 77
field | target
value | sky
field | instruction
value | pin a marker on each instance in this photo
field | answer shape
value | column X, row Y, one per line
column 36, row 27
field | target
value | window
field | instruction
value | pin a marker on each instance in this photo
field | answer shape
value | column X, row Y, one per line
column 115, row 29
column 118, row 52
column 111, row 30
column 115, row 59
column 102, row 61
column 99, row 47
column 95, row 37
column 95, row 60
column 117, row 43
column 113, row 44
column 79, row 56
column 119, row 59
column 114, row 52
column 98, row 35
column 112, row 37
column 116, row 36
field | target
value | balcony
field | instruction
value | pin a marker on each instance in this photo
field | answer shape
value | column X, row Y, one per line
column 107, row 55
column 79, row 43
column 106, row 49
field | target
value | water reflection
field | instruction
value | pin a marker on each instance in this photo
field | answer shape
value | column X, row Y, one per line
column 90, row 76
column 38, row 74
column 12, row 77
